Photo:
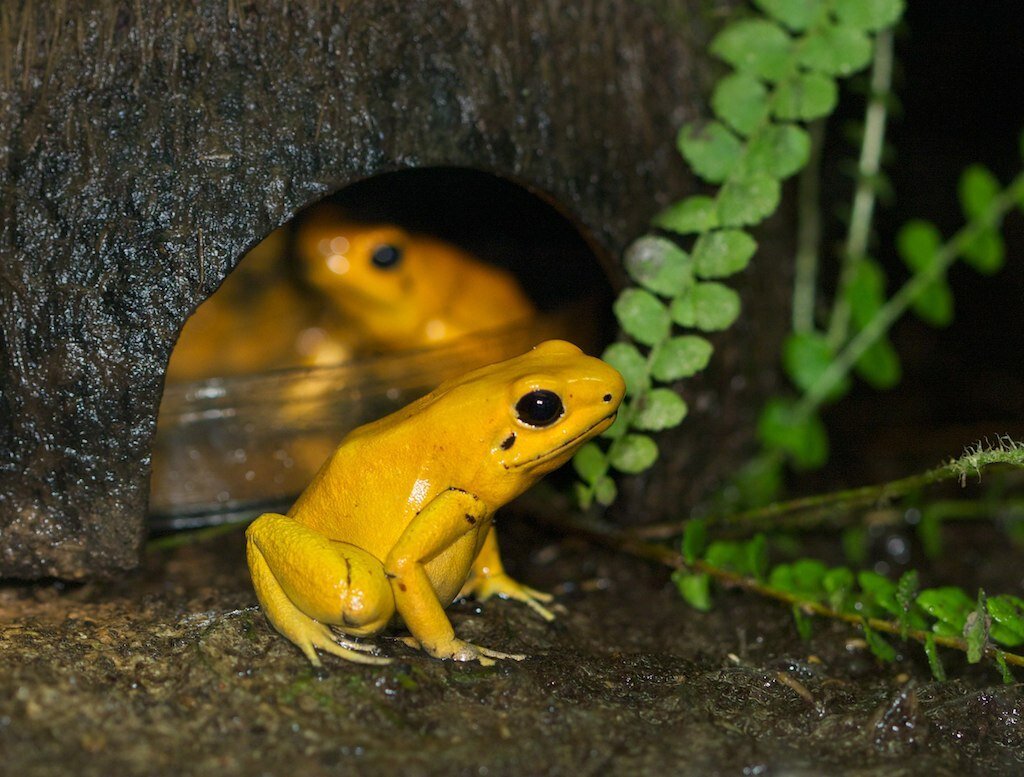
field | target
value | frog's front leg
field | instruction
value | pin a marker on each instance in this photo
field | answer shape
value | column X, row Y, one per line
column 448, row 517
column 489, row 579
column 306, row 582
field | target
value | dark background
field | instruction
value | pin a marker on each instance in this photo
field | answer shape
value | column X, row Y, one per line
column 959, row 87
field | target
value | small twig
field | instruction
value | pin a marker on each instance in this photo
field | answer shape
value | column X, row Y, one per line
column 808, row 238
column 863, row 208
column 618, row 540
column 811, row 509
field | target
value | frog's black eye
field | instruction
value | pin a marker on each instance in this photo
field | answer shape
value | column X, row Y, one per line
column 386, row 256
column 539, row 408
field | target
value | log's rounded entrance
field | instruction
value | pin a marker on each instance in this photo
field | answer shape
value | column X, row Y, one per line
column 359, row 304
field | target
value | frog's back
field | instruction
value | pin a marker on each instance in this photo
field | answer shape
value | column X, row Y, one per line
column 374, row 482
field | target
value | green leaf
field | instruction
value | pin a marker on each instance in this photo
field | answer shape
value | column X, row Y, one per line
column 711, row 307
column 804, row 627
column 712, row 151
column 976, row 631
column 1007, row 613
column 949, row 605
column 806, row 97
column 633, row 453
column 881, row 649
column 934, row 661
column 695, row 537
column 779, row 150
column 803, row 578
column 935, row 303
column 1004, row 670
column 806, row 356
column 659, row 265
column 755, row 46
column 729, row 555
column 694, row 214
column 838, row 584
column 879, row 365
column 605, row 491
column 590, row 462
column 694, row 588
column 868, row 15
column 660, row 408
column 741, row 101
column 985, row 252
column 748, row 200
column 906, row 593
column 795, row 14
column 878, row 592
column 804, row 439
column 584, row 495
column 758, row 482
column 756, row 549
column 918, row 243
column 631, row 364
column 978, row 190
column 836, row 51
column 680, row 357
column 722, row 253
column 865, row 294
column 642, row 316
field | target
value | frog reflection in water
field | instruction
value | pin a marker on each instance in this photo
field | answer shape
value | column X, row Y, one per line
column 398, row 520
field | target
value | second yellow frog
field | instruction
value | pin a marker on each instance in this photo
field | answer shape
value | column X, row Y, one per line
column 400, row 290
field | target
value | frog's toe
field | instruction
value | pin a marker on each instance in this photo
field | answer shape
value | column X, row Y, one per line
column 458, row 650
column 505, row 587
column 341, row 638
column 498, row 654
column 324, row 640
column 539, row 608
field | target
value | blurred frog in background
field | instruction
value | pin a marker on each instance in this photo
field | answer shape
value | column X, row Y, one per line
column 396, row 290
column 251, row 323
column 358, row 289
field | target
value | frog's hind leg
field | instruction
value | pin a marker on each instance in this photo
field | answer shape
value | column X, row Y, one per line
column 306, row 582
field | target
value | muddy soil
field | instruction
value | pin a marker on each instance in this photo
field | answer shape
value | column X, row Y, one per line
column 174, row 670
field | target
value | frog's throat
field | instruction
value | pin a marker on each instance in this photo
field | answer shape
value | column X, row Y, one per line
column 548, row 455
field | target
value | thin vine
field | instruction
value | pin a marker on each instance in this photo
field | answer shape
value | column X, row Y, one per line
column 983, row 627
column 785, row 62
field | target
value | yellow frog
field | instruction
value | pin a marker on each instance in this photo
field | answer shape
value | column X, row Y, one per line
column 398, row 520
column 399, row 290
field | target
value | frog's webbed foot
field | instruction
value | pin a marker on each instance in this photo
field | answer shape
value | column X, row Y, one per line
column 460, row 650
column 342, row 639
column 483, row 587
column 319, row 637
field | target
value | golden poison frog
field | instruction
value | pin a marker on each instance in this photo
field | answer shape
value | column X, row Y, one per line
column 397, row 522
column 399, row 290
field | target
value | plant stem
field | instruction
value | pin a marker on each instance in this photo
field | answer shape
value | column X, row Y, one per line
column 889, row 313
column 863, row 208
column 618, row 540
column 808, row 239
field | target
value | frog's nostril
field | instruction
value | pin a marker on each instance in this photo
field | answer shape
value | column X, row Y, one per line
column 607, row 397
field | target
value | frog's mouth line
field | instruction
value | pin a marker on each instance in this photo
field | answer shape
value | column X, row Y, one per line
column 540, row 459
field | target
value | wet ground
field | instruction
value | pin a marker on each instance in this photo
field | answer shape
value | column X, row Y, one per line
column 174, row 670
